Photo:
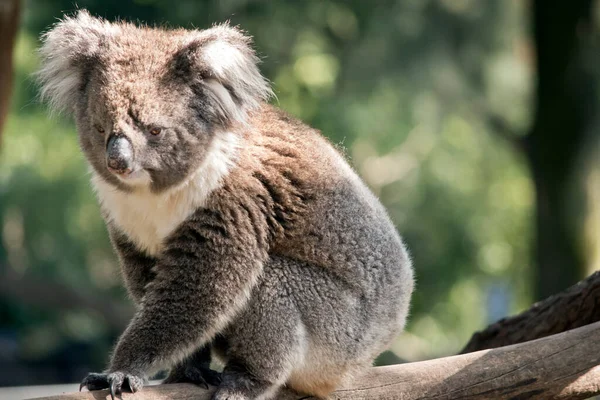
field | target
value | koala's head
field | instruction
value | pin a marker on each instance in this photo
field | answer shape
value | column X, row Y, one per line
column 149, row 102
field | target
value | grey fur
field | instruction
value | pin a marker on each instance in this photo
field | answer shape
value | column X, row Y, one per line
column 263, row 244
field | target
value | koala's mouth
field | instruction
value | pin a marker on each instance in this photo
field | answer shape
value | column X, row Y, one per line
column 127, row 174
column 138, row 176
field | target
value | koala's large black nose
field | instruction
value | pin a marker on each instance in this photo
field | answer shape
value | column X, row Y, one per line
column 119, row 155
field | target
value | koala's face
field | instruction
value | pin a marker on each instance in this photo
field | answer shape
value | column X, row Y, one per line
column 141, row 126
column 149, row 103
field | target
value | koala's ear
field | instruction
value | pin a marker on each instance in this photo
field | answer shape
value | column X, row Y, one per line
column 228, row 66
column 68, row 53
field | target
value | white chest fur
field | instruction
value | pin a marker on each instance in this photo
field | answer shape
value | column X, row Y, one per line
column 147, row 218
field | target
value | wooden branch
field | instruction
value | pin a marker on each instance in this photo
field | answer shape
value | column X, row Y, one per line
column 573, row 308
column 562, row 366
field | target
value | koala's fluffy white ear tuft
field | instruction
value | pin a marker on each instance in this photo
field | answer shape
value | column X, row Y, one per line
column 68, row 51
column 229, row 66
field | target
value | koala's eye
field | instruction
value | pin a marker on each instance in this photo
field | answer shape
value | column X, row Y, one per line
column 99, row 128
column 155, row 131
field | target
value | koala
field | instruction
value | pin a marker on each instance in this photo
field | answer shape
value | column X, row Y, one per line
column 242, row 234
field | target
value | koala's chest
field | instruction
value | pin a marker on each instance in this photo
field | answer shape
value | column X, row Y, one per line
column 148, row 219
column 148, row 223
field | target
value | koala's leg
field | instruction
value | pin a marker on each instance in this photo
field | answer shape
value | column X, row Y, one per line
column 195, row 369
column 265, row 343
column 136, row 266
column 198, row 289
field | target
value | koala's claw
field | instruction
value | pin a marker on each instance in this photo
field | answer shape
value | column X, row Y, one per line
column 113, row 381
column 204, row 376
column 201, row 376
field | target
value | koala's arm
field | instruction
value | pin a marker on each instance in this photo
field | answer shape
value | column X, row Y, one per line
column 136, row 267
column 203, row 277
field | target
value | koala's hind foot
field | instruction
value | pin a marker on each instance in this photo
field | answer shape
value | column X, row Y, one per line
column 197, row 374
column 115, row 381
column 195, row 369
column 239, row 384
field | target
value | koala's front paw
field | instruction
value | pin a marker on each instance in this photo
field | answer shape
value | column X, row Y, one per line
column 114, row 381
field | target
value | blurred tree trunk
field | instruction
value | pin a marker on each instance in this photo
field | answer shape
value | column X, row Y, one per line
column 9, row 22
column 565, row 103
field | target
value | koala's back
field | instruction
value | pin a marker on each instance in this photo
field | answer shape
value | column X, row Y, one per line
column 339, row 278
column 323, row 213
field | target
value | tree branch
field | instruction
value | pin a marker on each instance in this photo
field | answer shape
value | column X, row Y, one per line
column 562, row 366
column 573, row 308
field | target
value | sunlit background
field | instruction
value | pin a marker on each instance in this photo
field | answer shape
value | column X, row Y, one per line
column 430, row 100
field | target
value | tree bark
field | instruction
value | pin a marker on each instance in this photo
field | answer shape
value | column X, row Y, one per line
column 573, row 308
column 565, row 105
column 9, row 23
column 562, row 366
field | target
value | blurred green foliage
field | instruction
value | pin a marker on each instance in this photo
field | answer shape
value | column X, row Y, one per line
column 398, row 84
